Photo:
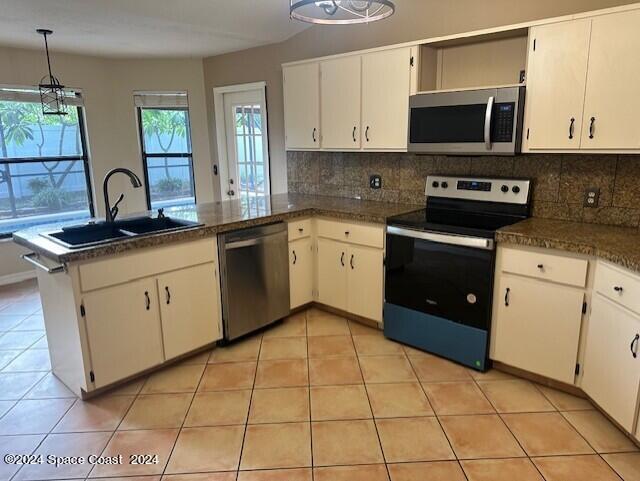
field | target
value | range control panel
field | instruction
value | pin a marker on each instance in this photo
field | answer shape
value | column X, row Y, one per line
column 512, row 191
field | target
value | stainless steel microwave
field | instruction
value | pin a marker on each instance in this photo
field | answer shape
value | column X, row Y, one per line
column 473, row 122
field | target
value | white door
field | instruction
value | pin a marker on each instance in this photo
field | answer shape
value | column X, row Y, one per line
column 611, row 372
column 302, row 106
column 189, row 309
column 537, row 327
column 365, row 275
column 386, row 82
column 332, row 273
column 612, row 102
column 247, row 153
column 300, row 272
column 557, row 73
column 340, row 87
column 123, row 327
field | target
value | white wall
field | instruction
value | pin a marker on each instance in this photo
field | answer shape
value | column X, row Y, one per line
column 108, row 86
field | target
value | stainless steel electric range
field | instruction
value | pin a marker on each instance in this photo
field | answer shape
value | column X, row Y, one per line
column 440, row 263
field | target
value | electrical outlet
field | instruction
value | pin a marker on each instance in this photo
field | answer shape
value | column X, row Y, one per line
column 375, row 181
column 592, row 197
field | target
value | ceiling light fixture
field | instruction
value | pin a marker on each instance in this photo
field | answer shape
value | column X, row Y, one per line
column 341, row 12
column 51, row 90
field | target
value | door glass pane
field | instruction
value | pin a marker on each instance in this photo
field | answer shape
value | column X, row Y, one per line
column 249, row 150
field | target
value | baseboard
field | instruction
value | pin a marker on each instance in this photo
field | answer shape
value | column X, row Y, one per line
column 17, row 277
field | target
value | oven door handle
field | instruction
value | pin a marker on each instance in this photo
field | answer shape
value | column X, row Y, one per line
column 487, row 122
column 456, row 240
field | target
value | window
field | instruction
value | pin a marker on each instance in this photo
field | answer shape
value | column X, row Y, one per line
column 166, row 150
column 44, row 167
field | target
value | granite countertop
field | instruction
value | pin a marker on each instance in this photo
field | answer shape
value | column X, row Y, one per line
column 619, row 245
column 218, row 217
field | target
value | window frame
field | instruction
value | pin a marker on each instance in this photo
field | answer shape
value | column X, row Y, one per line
column 145, row 155
column 65, row 158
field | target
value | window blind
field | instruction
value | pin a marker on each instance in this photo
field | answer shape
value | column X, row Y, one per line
column 32, row 94
column 161, row 99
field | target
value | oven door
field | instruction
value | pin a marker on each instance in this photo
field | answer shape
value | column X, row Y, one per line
column 447, row 276
column 477, row 122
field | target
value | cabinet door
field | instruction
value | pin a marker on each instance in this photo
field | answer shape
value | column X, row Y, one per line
column 189, row 309
column 300, row 272
column 612, row 99
column 386, row 79
column 302, row 106
column 340, row 88
column 538, row 326
column 611, row 373
column 123, row 327
column 556, row 77
column 332, row 273
column 365, row 280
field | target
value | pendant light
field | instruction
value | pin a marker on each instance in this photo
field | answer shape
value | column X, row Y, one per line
column 341, row 12
column 51, row 90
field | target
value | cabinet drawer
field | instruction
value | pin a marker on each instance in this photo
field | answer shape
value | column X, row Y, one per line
column 362, row 234
column 550, row 267
column 299, row 229
column 618, row 285
column 119, row 269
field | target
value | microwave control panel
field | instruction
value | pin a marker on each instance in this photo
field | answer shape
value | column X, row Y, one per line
column 503, row 121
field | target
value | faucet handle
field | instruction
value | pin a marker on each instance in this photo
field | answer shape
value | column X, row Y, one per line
column 161, row 213
column 114, row 210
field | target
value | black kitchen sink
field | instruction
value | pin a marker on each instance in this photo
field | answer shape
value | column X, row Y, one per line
column 86, row 235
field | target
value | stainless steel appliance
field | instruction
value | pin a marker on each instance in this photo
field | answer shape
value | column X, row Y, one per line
column 254, row 268
column 440, row 263
column 475, row 122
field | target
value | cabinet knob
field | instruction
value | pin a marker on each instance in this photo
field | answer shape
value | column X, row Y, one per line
column 541, row 266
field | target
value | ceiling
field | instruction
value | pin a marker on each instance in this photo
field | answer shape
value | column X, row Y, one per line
column 147, row 28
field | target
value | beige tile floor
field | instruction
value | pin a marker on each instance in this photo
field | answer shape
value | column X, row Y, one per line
column 316, row 397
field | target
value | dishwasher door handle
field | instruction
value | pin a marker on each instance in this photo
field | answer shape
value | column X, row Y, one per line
column 253, row 241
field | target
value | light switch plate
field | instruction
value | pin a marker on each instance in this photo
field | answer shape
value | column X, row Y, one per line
column 592, row 197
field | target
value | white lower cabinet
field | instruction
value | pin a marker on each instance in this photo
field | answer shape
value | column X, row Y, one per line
column 611, row 363
column 332, row 273
column 365, row 282
column 537, row 327
column 300, row 272
column 189, row 305
column 123, row 330
column 350, row 278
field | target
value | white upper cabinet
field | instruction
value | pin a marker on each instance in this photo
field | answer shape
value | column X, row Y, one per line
column 612, row 102
column 302, row 106
column 556, row 81
column 386, row 79
column 340, row 87
column 582, row 85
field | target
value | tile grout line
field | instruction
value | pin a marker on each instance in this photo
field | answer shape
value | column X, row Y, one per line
column 246, row 424
column 415, row 373
column 373, row 419
column 306, row 338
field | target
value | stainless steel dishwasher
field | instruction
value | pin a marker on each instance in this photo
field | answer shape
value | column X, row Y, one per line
column 254, row 264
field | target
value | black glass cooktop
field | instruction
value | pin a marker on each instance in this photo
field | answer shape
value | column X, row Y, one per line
column 455, row 222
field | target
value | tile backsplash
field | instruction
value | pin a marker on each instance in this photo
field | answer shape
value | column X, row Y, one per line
column 559, row 180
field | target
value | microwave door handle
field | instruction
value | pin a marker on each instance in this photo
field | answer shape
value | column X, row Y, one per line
column 487, row 123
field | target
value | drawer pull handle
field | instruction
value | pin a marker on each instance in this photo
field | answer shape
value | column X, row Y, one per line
column 148, row 300
column 342, row 259
column 618, row 289
column 634, row 346
column 346, row 232
column 166, row 289
column 507, row 296
column 541, row 266
column 301, row 230
column 295, row 258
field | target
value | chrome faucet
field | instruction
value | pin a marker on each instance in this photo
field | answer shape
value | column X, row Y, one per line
column 112, row 212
